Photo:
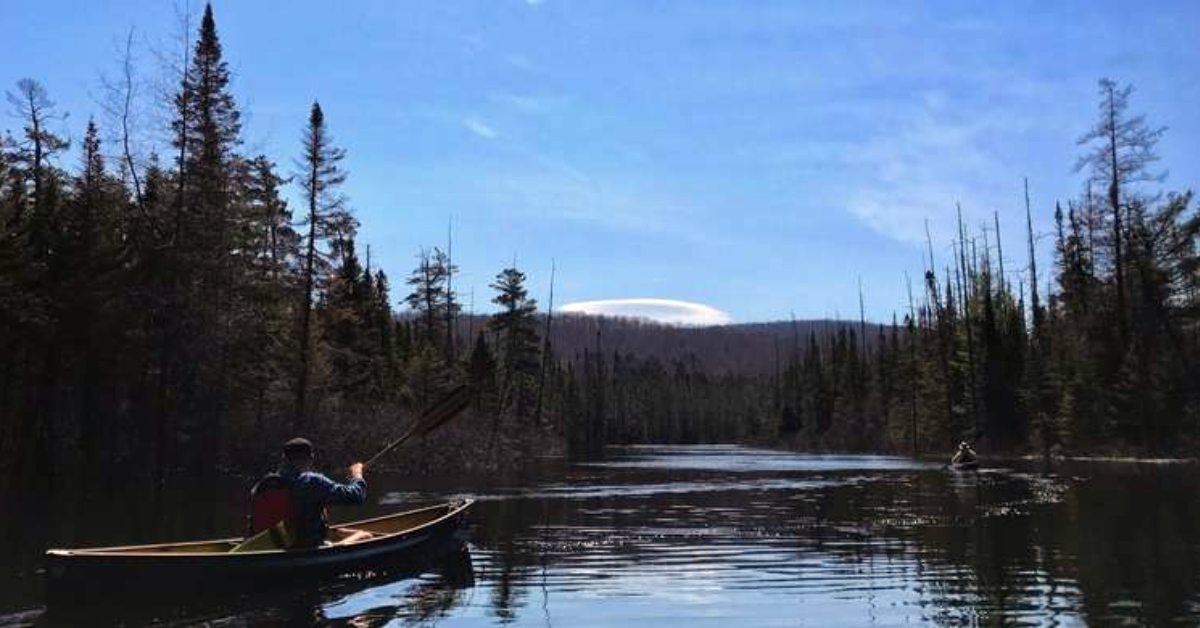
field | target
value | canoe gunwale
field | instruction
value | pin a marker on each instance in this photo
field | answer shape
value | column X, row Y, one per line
column 452, row 509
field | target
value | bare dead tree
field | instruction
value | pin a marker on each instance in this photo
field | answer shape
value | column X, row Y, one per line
column 451, row 309
column 1120, row 154
column 862, row 319
column 32, row 105
column 119, row 101
column 545, row 347
column 999, row 251
column 1033, row 280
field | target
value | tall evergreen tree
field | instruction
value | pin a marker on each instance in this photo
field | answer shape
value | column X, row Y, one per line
column 515, row 326
column 328, row 223
column 39, row 144
column 432, row 299
column 208, row 223
column 1120, row 152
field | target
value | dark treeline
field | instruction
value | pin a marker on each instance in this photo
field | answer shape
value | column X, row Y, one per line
column 745, row 348
column 176, row 312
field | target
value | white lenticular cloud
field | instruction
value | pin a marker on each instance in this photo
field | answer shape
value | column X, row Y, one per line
column 669, row 311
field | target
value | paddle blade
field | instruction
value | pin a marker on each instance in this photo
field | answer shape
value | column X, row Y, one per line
column 445, row 409
column 449, row 407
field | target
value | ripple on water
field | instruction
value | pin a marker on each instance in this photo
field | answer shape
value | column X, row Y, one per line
column 574, row 492
column 737, row 459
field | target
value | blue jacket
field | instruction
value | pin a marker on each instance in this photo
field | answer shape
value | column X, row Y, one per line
column 311, row 492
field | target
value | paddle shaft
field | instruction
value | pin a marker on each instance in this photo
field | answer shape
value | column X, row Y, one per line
column 396, row 443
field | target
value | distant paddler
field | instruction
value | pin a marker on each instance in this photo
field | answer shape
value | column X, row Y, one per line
column 965, row 457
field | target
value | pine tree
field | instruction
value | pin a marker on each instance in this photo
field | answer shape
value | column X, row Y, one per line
column 1120, row 153
column 89, row 293
column 206, row 126
column 432, row 300
column 516, row 328
column 199, row 278
column 271, row 239
column 328, row 223
column 36, row 231
column 39, row 144
column 387, row 367
column 347, row 326
column 482, row 373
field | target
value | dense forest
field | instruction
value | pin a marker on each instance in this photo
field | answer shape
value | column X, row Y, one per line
column 167, row 308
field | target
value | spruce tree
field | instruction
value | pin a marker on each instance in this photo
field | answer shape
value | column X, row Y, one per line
column 327, row 223
column 482, row 373
column 1120, row 152
column 433, row 300
column 515, row 326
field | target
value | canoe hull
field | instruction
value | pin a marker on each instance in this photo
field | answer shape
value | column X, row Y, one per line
column 183, row 565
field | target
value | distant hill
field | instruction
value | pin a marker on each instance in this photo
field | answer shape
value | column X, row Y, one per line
column 748, row 348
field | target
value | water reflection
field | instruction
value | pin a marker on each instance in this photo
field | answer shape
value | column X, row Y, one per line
column 741, row 541
column 724, row 535
column 418, row 590
column 735, row 458
column 425, row 598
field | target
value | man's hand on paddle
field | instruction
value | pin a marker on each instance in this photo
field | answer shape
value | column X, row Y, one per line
column 356, row 471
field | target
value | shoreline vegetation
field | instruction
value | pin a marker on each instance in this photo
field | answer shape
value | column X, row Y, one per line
column 164, row 308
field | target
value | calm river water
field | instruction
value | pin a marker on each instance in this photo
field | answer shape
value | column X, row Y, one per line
column 716, row 536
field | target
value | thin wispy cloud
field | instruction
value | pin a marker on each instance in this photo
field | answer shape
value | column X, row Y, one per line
column 669, row 311
column 932, row 159
column 527, row 103
column 480, row 128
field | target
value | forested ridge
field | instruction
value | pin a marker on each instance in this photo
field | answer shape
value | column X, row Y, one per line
column 167, row 308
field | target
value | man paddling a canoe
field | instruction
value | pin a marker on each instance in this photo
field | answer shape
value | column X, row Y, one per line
column 309, row 492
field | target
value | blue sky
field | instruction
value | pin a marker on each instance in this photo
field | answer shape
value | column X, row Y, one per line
column 758, row 158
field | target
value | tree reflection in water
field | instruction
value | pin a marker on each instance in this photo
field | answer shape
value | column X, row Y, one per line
column 727, row 536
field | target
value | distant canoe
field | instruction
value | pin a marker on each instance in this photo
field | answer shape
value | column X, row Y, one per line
column 964, row 466
column 210, row 563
